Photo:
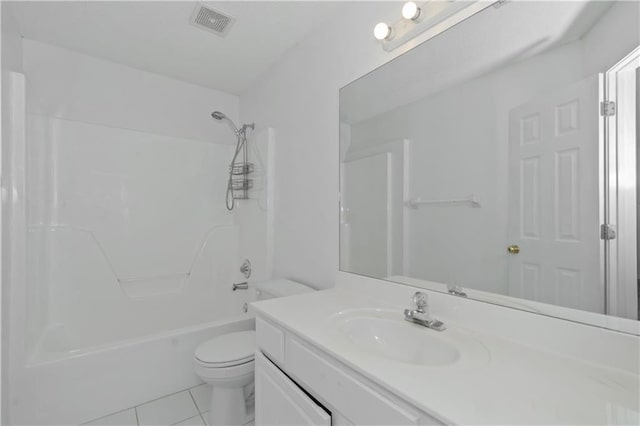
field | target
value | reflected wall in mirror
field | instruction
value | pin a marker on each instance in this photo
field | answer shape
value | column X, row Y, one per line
column 500, row 157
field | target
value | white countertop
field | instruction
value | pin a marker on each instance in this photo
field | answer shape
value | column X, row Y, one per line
column 515, row 384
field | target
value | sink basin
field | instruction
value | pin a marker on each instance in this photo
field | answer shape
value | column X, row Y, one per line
column 397, row 340
column 385, row 334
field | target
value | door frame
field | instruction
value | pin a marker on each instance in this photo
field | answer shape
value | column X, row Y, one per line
column 398, row 190
column 619, row 198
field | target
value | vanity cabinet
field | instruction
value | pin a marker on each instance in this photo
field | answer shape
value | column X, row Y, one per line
column 281, row 402
column 296, row 383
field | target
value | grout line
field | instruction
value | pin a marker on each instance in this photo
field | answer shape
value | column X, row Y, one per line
column 193, row 400
column 200, row 413
column 163, row 396
column 180, row 421
column 188, row 390
column 108, row 415
column 196, row 404
column 135, row 409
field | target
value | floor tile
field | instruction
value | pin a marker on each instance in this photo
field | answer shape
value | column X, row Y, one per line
column 193, row 421
column 202, row 397
column 167, row 410
column 122, row 418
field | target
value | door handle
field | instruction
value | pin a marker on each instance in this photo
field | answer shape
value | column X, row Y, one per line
column 513, row 249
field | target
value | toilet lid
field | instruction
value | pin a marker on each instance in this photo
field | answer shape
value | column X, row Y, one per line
column 228, row 349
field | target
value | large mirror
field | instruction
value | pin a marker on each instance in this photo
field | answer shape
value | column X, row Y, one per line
column 497, row 160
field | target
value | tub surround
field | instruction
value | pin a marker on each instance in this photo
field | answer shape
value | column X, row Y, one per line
column 111, row 288
column 530, row 368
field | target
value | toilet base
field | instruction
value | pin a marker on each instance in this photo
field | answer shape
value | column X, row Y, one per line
column 229, row 407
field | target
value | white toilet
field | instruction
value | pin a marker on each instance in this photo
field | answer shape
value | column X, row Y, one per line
column 226, row 363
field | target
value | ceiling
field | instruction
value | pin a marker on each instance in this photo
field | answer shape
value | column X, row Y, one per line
column 157, row 36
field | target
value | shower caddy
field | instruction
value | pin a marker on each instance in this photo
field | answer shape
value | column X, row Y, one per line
column 240, row 181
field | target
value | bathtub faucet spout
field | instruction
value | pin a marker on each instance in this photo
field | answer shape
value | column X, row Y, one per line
column 240, row 286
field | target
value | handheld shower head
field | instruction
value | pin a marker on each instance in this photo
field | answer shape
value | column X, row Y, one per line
column 220, row 116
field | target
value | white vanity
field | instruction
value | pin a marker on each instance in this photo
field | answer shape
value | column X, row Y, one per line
column 299, row 383
column 346, row 356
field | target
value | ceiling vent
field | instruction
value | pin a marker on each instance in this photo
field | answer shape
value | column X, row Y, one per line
column 211, row 20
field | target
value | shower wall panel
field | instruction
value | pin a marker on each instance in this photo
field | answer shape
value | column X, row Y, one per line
column 127, row 230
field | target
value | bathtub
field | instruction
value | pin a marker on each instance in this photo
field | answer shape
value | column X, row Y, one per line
column 106, row 344
column 95, row 382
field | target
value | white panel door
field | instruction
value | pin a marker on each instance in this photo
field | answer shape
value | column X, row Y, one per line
column 366, row 197
column 279, row 401
column 554, row 198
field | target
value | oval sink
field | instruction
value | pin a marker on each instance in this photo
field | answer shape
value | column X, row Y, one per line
column 384, row 334
column 398, row 340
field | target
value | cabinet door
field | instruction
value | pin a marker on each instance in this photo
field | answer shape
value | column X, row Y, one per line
column 280, row 402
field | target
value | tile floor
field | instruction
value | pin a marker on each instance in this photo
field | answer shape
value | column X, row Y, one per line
column 185, row 408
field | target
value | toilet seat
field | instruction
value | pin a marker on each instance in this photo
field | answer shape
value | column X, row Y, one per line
column 227, row 350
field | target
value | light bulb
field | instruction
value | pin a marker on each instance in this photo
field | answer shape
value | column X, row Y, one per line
column 382, row 31
column 410, row 10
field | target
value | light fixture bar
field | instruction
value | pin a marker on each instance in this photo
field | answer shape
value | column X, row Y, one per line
column 431, row 14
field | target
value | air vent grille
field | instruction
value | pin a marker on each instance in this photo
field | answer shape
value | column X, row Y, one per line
column 211, row 20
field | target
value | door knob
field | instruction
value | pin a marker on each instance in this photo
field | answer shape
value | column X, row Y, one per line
column 513, row 249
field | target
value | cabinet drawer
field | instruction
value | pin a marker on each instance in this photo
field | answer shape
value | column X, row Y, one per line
column 279, row 401
column 348, row 395
column 270, row 339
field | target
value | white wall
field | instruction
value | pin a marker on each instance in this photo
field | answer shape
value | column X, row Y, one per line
column 11, row 42
column 603, row 47
column 11, row 61
column 299, row 98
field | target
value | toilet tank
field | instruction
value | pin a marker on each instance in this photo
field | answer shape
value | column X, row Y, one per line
column 279, row 288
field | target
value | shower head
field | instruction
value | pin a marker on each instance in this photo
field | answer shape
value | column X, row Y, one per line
column 220, row 116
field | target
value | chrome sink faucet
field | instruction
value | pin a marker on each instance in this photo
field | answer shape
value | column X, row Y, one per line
column 420, row 315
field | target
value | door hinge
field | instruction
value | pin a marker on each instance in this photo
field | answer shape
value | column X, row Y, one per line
column 607, row 232
column 607, row 108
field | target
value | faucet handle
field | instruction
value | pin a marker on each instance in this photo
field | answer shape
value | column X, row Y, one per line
column 421, row 301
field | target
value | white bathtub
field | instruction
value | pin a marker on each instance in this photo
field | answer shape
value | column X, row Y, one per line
column 92, row 383
column 93, row 348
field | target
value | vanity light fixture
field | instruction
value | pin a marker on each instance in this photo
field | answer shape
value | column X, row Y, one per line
column 410, row 10
column 382, row 31
column 417, row 19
